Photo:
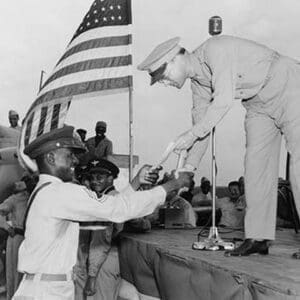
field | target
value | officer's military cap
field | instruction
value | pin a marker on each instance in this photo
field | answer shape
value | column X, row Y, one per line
column 101, row 124
column 102, row 166
column 65, row 137
column 156, row 62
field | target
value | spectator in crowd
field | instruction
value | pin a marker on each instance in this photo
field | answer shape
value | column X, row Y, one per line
column 82, row 134
column 99, row 146
column 98, row 263
column 286, row 212
column 13, row 118
column 203, row 197
column 15, row 207
column 232, row 208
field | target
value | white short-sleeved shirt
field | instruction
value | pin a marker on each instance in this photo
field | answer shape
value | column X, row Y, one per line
column 51, row 237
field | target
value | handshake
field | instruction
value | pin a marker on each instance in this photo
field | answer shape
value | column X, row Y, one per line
column 177, row 180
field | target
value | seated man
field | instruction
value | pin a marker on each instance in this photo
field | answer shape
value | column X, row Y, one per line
column 98, row 273
column 233, row 208
column 203, row 197
column 286, row 213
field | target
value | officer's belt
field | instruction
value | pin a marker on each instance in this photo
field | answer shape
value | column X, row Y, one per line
column 48, row 277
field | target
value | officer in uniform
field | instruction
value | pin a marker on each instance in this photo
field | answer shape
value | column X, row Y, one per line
column 225, row 68
column 48, row 252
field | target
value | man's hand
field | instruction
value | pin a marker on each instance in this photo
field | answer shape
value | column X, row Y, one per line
column 90, row 286
column 185, row 141
column 146, row 175
column 182, row 179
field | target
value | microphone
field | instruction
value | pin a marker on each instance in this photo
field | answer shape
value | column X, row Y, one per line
column 215, row 25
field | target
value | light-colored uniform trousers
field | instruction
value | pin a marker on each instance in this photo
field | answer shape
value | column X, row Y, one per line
column 37, row 289
column 274, row 111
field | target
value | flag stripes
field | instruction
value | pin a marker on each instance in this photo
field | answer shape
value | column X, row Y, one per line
column 42, row 120
column 98, row 43
column 28, row 129
column 93, row 54
column 100, row 32
column 85, row 87
column 107, row 62
column 55, row 115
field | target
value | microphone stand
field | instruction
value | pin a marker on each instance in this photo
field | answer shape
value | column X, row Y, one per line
column 213, row 241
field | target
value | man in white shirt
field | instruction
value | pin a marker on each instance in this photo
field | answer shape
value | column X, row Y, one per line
column 48, row 252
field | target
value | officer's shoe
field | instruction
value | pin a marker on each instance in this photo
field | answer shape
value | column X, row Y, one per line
column 250, row 246
column 296, row 255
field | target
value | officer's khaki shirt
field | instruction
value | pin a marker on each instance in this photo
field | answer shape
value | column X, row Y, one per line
column 225, row 68
column 52, row 231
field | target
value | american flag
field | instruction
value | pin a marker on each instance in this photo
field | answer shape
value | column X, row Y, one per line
column 97, row 61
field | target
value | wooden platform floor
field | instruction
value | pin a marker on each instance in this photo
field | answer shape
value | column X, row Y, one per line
column 277, row 271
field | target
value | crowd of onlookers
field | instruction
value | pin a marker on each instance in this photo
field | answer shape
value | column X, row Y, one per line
column 97, row 269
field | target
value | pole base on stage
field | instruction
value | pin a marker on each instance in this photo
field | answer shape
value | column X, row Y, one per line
column 213, row 242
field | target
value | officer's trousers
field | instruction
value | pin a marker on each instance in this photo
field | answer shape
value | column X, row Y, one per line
column 273, row 112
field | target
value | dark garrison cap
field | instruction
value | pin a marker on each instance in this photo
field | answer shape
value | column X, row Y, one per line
column 102, row 166
column 101, row 124
column 65, row 137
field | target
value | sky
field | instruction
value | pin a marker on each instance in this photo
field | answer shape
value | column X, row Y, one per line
column 34, row 34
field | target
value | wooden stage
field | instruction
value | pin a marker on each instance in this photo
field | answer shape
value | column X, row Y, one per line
column 167, row 256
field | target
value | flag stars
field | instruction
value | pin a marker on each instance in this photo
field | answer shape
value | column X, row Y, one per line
column 88, row 24
column 119, row 6
column 103, row 8
column 112, row 17
column 111, row 7
column 104, row 19
column 95, row 11
column 96, row 21
column 119, row 17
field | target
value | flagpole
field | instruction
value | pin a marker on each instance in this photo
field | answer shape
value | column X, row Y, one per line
column 130, row 135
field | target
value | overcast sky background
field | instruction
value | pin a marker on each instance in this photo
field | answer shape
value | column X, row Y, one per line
column 34, row 34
